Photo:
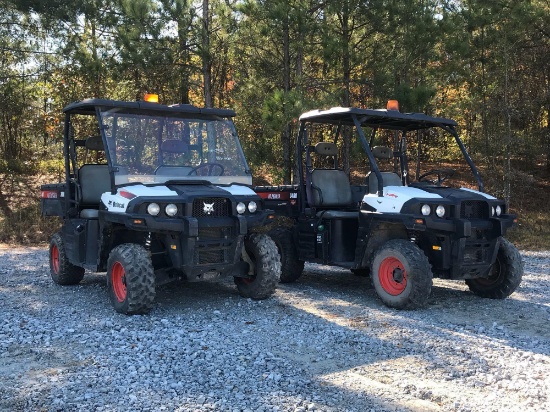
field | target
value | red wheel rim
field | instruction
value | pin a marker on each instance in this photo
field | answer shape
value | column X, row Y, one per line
column 118, row 279
column 386, row 276
column 55, row 258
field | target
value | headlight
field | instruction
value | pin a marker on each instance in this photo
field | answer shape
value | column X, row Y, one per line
column 440, row 211
column 171, row 209
column 240, row 208
column 426, row 210
column 153, row 209
column 492, row 210
column 498, row 209
column 252, row 206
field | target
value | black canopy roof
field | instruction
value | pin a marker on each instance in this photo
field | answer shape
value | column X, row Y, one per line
column 88, row 107
column 386, row 119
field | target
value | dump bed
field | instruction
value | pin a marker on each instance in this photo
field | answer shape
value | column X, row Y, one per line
column 282, row 199
column 52, row 199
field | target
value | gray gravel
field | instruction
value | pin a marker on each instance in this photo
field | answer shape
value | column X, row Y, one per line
column 325, row 343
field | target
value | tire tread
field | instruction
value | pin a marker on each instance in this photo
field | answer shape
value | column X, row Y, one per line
column 140, row 279
column 68, row 273
column 268, row 268
column 419, row 274
column 511, row 260
column 291, row 267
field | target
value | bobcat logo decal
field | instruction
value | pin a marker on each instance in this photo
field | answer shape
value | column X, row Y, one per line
column 208, row 208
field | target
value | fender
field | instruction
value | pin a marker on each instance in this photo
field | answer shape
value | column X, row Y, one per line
column 394, row 197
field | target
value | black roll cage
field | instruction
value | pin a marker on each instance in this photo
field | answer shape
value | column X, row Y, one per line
column 93, row 107
column 375, row 119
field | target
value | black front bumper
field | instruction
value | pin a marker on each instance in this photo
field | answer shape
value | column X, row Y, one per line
column 462, row 248
column 197, row 248
column 456, row 248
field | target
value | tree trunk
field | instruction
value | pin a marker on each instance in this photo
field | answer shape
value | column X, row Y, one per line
column 96, row 68
column 206, row 58
column 508, row 139
column 548, row 138
column 183, row 92
column 137, row 84
column 10, row 143
column 286, row 135
column 346, row 77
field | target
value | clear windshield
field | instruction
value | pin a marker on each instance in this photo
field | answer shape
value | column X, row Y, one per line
column 155, row 149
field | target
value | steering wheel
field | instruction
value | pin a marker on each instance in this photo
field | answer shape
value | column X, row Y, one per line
column 442, row 175
column 209, row 169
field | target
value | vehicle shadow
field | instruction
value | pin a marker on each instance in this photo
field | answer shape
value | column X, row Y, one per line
column 525, row 313
column 375, row 341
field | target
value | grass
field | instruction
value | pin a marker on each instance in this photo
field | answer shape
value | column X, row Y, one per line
column 531, row 202
column 20, row 218
column 532, row 231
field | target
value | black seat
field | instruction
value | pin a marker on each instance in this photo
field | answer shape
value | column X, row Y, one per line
column 178, row 147
column 94, row 181
column 165, row 170
column 94, row 143
column 388, row 178
column 330, row 188
column 174, row 146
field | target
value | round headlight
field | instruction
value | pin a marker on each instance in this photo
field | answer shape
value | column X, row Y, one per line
column 492, row 210
column 252, row 206
column 153, row 209
column 426, row 209
column 440, row 211
column 498, row 209
column 171, row 209
column 240, row 208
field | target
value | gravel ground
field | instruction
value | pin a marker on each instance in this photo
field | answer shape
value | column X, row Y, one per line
column 325, row 343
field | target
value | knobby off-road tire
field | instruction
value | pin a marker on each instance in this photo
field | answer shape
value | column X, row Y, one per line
column 131, row 279
column 62, row 271
column 291, row 266
column 267, row 268
column 505, row 275
column 401, row 275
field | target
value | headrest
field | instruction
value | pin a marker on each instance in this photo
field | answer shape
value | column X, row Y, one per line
column 326, row 149
column 94, row 143
column 382, row 152
column 174, row 146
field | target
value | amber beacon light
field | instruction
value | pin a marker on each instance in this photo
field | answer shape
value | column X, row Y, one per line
column 393, row 105
column 151, row 98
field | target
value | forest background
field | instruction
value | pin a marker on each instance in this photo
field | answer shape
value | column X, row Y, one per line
column 484, row 63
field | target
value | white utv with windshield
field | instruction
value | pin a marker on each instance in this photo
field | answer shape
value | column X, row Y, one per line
column 403, row 232
column 153, row 194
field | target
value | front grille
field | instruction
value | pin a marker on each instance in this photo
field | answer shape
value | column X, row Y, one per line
column 478, row 235
column 210, row 233
column 209, row 256
column 211, row 207
column 478, row 253
column 473, row 256
column 474, row 209
column 213, row 245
